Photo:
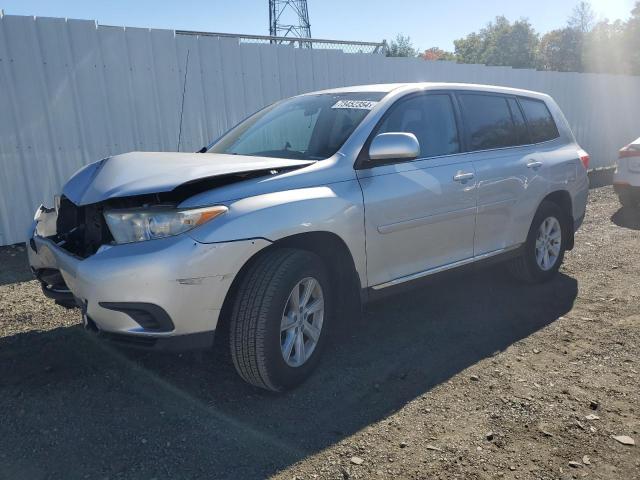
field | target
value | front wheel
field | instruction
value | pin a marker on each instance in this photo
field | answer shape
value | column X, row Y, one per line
column 543, row 251
column 280, row 319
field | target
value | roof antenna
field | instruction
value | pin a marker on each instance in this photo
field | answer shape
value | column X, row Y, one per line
column 184, row 89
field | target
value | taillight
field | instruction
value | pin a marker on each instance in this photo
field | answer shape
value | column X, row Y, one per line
column 584, row 158
column 629, row 151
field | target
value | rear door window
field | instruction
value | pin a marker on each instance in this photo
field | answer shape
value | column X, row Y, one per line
column 489, row 122
column 542, row 127
column 430, row 118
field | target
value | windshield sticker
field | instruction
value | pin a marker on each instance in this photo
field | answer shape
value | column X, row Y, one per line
column 357, row 104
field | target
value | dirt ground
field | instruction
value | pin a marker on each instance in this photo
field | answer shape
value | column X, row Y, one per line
column 472, row 377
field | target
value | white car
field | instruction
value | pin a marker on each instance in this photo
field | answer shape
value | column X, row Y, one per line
column 626, row 179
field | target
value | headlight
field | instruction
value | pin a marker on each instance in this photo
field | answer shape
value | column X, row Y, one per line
column 137, row 225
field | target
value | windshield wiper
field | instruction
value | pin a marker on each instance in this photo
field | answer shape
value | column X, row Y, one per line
column 292, row 154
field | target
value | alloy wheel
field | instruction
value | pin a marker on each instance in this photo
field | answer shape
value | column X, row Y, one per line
column 548, row 243
column 301, row 323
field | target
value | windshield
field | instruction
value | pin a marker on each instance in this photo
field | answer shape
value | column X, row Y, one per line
column 310, row 127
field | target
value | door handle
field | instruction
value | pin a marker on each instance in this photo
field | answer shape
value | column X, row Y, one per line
column 463, row 176
column 534, row 164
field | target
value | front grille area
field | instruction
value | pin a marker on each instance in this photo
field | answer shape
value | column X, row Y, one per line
column 81, row 230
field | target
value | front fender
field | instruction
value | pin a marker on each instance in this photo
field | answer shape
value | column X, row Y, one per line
column 335, row 208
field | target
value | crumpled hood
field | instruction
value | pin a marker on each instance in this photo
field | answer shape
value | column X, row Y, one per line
column 138, row 173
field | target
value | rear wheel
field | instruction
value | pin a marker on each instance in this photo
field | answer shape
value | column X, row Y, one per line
column 544, row 249
column 280, row 319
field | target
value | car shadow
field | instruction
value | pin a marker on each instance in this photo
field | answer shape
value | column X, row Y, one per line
column 75, row 406
column 13, row 265
column 627, row 218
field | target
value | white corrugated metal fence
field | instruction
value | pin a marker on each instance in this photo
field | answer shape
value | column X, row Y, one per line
column 72, row 92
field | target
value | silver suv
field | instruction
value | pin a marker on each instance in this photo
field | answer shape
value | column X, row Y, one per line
column 306, row 210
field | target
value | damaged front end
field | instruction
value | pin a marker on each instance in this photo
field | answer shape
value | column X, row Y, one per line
column 160, row 293
column 80, row 230
column 91, row 249
column 51, row 281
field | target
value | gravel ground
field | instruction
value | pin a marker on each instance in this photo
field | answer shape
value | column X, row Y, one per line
column 476, row 377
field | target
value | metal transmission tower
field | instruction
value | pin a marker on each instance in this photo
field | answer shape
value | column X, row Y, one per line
column 289, row 18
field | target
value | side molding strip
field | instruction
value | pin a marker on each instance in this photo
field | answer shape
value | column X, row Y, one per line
column 442, row 268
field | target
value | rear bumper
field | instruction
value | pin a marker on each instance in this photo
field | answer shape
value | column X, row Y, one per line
column 154, row 291
column 627, row 173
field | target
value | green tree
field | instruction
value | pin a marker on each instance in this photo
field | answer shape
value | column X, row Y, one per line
column 605, row 49
column 470, row 49
column 401, row 47
column 561, row 50
column 581, row 46
column 500, row 43
column 615, row 47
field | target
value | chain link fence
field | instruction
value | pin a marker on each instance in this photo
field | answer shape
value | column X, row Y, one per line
column 293, row 42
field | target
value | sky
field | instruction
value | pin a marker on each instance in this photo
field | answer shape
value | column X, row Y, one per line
column 428, row 22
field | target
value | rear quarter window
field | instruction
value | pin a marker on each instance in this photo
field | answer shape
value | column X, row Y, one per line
column 542, row 126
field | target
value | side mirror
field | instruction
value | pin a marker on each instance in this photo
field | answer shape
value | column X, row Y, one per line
column 394, row 145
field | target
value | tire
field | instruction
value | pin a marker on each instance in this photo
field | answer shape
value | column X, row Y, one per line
column 526, row 267
column 263, row 297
